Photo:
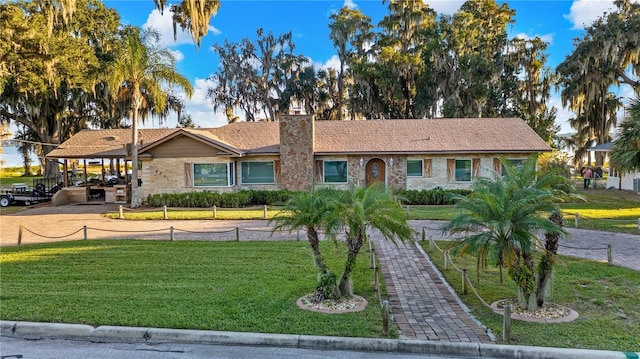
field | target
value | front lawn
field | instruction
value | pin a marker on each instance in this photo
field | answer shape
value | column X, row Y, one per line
column 227, row 286
column 605, row 210
column 607, row 299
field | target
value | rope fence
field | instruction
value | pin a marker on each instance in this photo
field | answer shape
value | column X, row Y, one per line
column 467, row 284
column 385, row 306
column 173, row 233
column 582, row 221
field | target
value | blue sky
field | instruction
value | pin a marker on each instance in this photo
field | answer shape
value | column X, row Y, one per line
column 557, row 22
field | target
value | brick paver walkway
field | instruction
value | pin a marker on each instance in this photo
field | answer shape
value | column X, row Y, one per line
column 424, row 307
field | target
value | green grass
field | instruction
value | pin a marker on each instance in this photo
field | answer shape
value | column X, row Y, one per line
column 6, row 182
column 228, row 286
column 432, row 212
column 598, row 292
column 184, row 214
column 605, row 210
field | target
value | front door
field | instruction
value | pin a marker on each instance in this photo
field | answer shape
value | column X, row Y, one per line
column 375, row 171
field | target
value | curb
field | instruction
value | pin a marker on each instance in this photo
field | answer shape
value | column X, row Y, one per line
column 79, row 331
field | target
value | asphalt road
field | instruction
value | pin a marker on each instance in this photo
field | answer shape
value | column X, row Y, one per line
column 14, row 348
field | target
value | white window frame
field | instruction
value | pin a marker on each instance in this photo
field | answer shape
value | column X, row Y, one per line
column 230, row 174
column 273, row 172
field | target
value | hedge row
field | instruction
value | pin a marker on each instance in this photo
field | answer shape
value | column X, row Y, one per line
column 279, row 197
column 436, row 196
column 223, row 200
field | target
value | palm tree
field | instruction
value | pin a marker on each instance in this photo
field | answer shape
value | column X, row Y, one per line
column 502, row 217
column 625, row 154
column 361, row 208
column 137, row 73
column 307, row 210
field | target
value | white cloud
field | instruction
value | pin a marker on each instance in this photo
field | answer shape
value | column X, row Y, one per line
column 333, row 62
column 563, row 115
column 584, row 12
column 546, row 37
column 198, row 107
column 178, row 55
column 163, row 23
column 448, row 7
column 350, row 4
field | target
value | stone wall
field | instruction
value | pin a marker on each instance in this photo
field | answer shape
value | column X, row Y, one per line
column 296, row 152
column 438, row 176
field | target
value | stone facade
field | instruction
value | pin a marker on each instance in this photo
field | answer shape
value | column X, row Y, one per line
column 439, row 178
column 297, row 140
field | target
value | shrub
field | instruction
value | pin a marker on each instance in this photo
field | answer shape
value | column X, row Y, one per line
column 435, row 196
column 245, row 198
column 208, row 199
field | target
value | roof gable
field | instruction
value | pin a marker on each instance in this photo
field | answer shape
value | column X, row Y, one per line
column 205, row 137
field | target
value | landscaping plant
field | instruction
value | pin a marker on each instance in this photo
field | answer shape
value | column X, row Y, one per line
column 502, row 217
column 359, row 209
column 309, row 210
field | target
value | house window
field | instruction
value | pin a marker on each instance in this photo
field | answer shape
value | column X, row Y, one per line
column 212, row 174
column 463, row 170
column 516, row 163
column 258, row 172
column 335, row 171
column 414, row 168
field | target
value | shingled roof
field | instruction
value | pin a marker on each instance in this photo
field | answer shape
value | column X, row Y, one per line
column 450, row 135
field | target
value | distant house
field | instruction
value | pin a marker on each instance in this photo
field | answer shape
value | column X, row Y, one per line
column 297, row 153
column 629, row 181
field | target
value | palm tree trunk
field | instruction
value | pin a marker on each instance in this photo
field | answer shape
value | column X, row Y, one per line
column 545, row 267
column 314, row 242
column 135, row 201
column 354, row 244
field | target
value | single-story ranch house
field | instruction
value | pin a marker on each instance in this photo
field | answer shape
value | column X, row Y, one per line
column 297, row 153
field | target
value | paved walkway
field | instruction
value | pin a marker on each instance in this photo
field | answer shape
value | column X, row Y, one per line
column 424, row 307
